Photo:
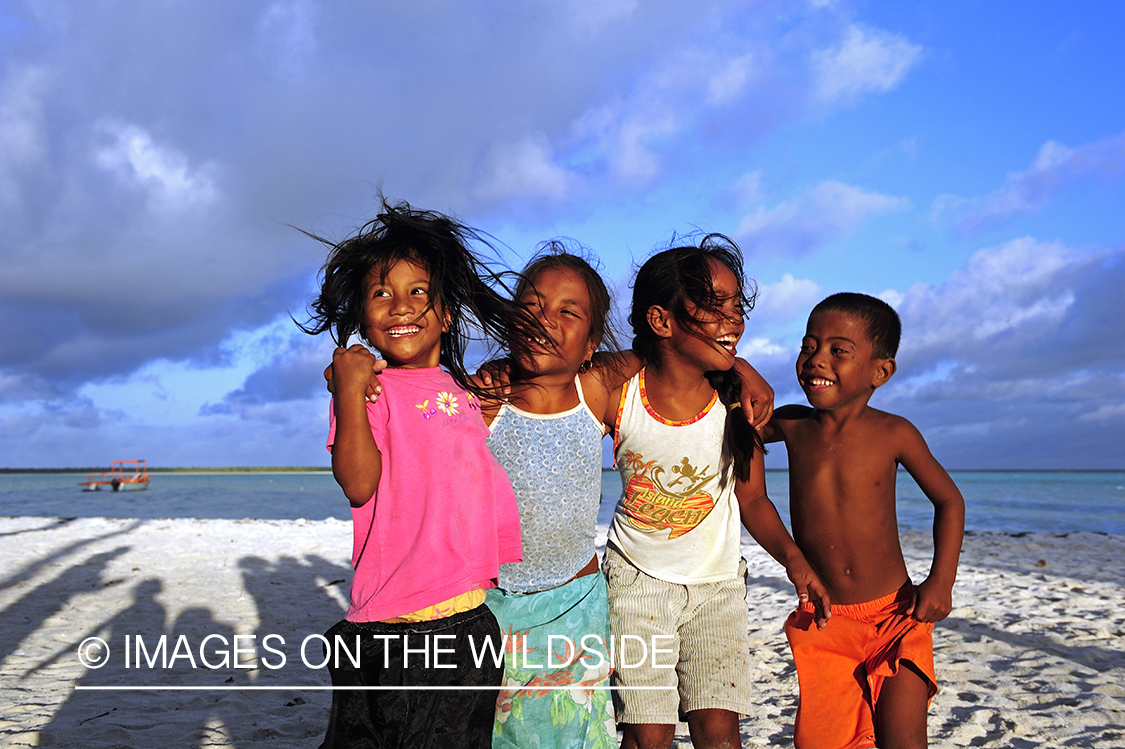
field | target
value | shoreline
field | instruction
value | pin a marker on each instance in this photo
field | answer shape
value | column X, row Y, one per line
column 1030, row 655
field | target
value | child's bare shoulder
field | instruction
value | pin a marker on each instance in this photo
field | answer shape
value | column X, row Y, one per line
column 887, row 420
column 897, row 432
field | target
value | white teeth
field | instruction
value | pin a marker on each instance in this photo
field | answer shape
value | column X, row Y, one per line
column 819, row 382
column 405, row 330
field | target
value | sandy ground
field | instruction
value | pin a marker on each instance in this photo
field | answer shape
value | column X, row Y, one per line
column 1032, row 655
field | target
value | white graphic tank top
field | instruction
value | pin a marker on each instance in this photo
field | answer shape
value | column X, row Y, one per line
column 673, row 521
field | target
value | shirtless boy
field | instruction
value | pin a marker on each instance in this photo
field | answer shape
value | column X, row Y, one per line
column 865, row 679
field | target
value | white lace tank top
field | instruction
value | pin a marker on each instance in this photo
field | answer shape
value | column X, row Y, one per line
column 554, row 462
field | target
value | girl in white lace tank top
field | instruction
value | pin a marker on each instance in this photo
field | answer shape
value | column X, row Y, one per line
column 547, row 435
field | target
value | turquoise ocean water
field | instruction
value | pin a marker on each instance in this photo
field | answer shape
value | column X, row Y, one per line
column 1011, row 501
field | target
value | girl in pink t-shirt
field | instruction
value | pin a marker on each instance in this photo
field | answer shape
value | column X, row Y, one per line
column 433, row 513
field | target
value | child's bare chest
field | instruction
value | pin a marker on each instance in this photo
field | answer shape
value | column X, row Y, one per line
column 851, row 464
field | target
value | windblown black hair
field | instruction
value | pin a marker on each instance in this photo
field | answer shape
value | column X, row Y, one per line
column 884, row 328
column 462, row 285
column 669, row 280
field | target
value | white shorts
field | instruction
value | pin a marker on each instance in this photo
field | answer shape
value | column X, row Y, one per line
column 704, row 625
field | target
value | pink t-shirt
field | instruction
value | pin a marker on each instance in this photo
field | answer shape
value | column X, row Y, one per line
column 444, row 517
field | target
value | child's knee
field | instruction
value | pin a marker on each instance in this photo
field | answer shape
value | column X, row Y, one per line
column 714, row 729
column 647, row 735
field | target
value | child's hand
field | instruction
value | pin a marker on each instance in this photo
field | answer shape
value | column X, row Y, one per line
column 373, row 386
column 498, row 374
column 761, row 406
column 809, row 588
column 757, row 395
column 932, row 601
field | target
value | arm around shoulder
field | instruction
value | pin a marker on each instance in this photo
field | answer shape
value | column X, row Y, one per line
column 757, row 395
column 614, row 368
column 782, row 421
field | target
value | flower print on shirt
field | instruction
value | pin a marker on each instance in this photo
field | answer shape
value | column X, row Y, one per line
column 447, row 403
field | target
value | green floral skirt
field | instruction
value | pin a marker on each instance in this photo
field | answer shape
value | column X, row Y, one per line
column 556, row 667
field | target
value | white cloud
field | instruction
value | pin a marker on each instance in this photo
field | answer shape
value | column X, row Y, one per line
column 164, row 172
column 1034, row 323
column 1054, row 167
column 1105, row 413
column 731, row 80
column 1014, row 360
column 623, row 135
column 1025, row 341
column 865, row 61
column 799, row 226
column 593, row 16
column 891, row 297
column 1010, row 289
column 525, row 169
column 755, row 348
column 748, row 188
column 787, row 298
column 632, row 159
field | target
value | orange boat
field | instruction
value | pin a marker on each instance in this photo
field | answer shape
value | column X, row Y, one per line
column 118, row 478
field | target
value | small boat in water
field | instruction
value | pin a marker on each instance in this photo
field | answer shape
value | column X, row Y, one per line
column 119, row 477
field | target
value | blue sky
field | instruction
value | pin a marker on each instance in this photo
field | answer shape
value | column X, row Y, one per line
column 963, row 160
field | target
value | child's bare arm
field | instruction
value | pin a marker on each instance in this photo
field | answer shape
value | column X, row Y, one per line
column 760, row 518
column 357, row 464
column 782, row 420
column 933, row 599
column 615, row 368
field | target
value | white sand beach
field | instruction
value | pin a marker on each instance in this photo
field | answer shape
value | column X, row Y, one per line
column 1031, row 656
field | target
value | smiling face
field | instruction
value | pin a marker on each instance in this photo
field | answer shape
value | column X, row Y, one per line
column 712, row 342
column 561, row 300
column 837, row 366
column 398, row 318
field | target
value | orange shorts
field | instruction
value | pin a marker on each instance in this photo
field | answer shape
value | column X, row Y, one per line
column 841, row 668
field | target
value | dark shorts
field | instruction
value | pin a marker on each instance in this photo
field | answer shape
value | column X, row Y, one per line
column 438, row 653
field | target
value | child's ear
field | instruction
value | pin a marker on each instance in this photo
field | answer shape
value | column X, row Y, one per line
column 883, row 372
column 660, row 320
column 591, row 347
